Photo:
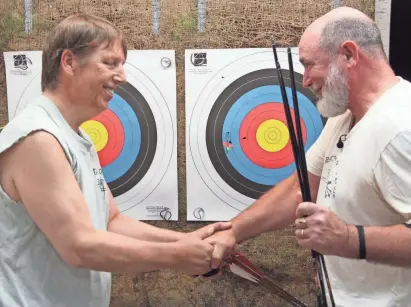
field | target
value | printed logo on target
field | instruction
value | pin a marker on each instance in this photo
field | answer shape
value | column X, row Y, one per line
column 21, row 64
column 199, row 59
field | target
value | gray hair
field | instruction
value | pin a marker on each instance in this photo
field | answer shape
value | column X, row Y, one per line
column 81, row 34
column 363, row 32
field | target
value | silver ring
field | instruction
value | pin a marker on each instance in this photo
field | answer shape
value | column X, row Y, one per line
column 302, row 233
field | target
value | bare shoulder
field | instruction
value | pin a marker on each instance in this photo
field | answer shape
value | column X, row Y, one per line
column 40, row 153
column 38, row 141
column 33, row 155
column 45, row 183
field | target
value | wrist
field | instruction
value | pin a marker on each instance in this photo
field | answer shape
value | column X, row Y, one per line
column 177, row 236
column 172, row 254
column 362, row 251
column 351, row 247
column 235, row 234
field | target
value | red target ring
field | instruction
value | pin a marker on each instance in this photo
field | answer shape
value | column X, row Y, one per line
column 249, row 143
column 115, row 137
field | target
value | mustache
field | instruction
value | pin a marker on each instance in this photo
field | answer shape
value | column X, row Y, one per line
column 317, row 91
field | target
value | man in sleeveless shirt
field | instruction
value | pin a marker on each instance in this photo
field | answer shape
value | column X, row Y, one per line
column 61, row 234
column 359, row 168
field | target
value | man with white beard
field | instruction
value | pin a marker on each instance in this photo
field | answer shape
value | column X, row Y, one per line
column 359, row 169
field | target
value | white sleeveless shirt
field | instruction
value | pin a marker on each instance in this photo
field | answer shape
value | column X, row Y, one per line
column 32, row 274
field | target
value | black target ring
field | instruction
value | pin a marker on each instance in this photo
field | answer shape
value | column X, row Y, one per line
column 148, row 144
column 214, row 135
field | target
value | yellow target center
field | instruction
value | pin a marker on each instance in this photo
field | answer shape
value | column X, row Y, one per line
column 97, row 132
column 272, row 135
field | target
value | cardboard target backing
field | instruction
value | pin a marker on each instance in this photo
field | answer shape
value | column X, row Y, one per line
column 237, row 140
column 136, row 137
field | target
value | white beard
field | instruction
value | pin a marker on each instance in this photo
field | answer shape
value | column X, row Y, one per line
column 334, row 99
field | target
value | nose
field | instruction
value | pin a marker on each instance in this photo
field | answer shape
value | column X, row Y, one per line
column 120, row 77
column 307, row 82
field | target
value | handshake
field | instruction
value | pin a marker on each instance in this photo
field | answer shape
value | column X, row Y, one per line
column 202, row 250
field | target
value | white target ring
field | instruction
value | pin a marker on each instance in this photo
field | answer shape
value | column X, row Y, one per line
column 203, row 105
column 165, row 139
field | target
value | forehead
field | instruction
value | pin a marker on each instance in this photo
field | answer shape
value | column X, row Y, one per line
column 309, row 49
column 113, row 49
column 308, row 44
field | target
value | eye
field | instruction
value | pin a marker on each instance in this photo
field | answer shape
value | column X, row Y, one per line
column 110, row 64
column 308, row 66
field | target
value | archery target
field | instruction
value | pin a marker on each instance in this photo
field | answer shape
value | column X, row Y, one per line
column 238, row 140
column 135, row 138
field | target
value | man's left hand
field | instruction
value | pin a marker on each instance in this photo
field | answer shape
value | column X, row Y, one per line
column 321, row 230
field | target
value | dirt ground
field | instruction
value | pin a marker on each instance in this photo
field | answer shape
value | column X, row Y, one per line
column 229, row 24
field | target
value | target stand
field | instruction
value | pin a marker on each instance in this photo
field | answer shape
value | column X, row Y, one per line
column 135, row 138
column 238, row 143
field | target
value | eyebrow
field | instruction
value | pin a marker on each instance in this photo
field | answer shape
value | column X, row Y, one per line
column 304, row 61
column 117, row 59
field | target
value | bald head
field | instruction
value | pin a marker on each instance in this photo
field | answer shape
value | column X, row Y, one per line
column 343, row 24
column 339, row 13
column 343, row 57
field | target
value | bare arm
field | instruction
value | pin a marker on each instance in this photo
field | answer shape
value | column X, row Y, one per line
column 124, row 225
column 388, row 245
column 274, row 210
column 44, row 181
column 329, row 235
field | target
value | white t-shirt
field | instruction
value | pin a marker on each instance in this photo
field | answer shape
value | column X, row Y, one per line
column 368, row 182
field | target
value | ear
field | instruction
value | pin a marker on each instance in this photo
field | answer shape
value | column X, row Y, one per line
column 68, row 62
column 349, row 51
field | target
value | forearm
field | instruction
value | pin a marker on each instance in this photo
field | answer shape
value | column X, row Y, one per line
column 389, row 245
column 106, row 251
column 129, row 227
column 274, row 210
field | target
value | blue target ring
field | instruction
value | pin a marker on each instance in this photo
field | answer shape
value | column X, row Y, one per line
column 236, row 115
column 226, row 116
column 132, row 139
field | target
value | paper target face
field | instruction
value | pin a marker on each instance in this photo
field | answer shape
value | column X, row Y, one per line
column 135, row 137
column 238, row 139
column 125, row 149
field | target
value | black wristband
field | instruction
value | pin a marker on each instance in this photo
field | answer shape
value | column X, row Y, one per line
column 361, row 242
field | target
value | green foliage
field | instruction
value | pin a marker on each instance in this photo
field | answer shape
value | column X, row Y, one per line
column 11, row 24
column 186, row 23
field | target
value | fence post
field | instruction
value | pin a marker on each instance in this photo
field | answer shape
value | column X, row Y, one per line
column 335, row 4
column 156, row 16
column 28, row 16
column 201, row 15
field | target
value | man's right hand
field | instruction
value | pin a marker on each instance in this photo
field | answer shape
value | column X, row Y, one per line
column 194, row 253
column 224, row 242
